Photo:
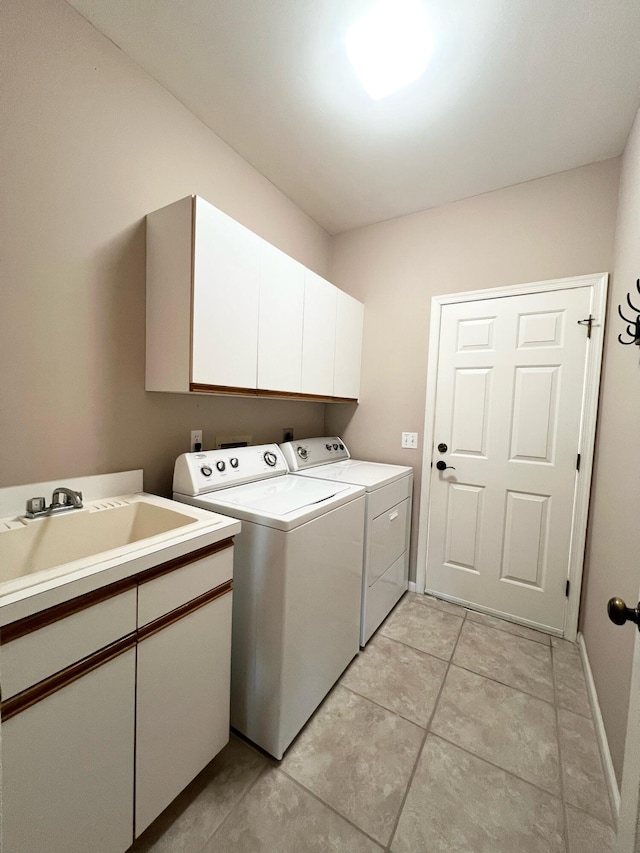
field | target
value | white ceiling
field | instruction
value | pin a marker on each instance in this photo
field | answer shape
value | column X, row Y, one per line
column 516, row 89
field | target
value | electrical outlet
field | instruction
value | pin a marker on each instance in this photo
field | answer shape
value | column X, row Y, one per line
column 410, row 439
column 287, row 434
column 196, row 438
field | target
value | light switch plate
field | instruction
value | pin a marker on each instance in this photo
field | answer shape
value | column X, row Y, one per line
column 410, row 439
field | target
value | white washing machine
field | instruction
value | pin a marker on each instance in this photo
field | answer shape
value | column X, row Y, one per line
column 389, row 491
column 296, row 583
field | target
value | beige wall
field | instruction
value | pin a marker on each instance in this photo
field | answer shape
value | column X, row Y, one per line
column 89, row 144
column 613, row 548
column 554, row 227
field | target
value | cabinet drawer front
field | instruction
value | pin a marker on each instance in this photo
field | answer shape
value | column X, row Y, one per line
column 163, row 594
column 388, row 496
column 389, row 539
column 47, row 650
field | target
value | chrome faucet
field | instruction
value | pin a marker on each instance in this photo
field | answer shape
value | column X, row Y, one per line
column 62, row 500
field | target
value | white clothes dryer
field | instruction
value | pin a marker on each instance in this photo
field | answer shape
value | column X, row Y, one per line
column 389, row 490
column 296, row 585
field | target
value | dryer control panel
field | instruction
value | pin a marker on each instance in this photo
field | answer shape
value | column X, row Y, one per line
column 199, row 473
column 311, row 452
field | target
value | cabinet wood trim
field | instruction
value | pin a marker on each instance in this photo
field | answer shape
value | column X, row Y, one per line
column 201, row 388
column 182, row 611
column 29, row 624
column 32, row 695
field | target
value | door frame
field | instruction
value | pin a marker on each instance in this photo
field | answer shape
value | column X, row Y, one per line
column 599, row 283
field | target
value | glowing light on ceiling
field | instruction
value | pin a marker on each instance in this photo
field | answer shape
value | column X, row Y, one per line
column 390, row 46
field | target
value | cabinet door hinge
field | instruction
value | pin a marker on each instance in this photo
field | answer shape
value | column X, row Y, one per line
column 578, row 463
column 566, row 589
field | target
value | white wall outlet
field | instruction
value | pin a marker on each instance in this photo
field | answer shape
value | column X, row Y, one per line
column 410, row 439
column 196, row 438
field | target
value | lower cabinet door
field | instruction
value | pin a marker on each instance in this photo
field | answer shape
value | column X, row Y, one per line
column 67, row 766
column 183, row 688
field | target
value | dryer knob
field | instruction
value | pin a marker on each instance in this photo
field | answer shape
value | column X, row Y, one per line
column 335, row 446
column 270, row 458
column 234, row 461
column 220, row 465
column 206, row 470
column 328, row 446
column 342, row 447
column 302, row 452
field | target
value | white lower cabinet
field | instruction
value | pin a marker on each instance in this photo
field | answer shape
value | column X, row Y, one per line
column 115, row 697
column 182, row 704
column 67, row 766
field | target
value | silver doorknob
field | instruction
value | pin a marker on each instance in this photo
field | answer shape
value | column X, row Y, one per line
column 619, row 613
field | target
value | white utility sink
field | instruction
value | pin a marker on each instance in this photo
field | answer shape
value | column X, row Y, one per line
column 117, row 533
column 33, row 545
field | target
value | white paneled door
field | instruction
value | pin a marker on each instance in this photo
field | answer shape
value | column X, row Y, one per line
column 509, row 401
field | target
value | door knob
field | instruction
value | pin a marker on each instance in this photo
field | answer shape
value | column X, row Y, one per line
column 619, row 613
column 442, row 466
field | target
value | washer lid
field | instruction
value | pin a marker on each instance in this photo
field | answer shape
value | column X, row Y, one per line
column 281, row 495
column 283, row 502
column 371, row 475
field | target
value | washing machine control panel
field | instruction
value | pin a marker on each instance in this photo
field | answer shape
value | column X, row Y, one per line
column 311, row 452
column 198, row 473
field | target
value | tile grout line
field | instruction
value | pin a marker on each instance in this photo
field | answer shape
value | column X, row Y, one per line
column 331, row 808
column 424, row 739
column 491, row 763
column 382, row 707
column 505, row 684
column 236, row 806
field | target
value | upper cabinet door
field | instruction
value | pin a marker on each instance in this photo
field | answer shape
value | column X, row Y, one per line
column 280, row 321
column 225, row 300
column 349, row 322
column 319, row 335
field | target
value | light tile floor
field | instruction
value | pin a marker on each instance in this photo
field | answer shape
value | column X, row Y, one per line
column 453, row 731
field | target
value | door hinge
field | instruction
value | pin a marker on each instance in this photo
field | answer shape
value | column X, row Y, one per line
column 578, row 463
column 566, row 589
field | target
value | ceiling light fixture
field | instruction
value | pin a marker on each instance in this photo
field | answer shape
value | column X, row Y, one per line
column 390, row 46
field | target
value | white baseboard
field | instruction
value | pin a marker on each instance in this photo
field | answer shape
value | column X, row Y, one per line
column 412, row 586
column 609, row 772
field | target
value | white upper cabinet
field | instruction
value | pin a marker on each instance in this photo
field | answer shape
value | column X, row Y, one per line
column 349, row 322
column 319, row 335
column 280, row 321
column 226, row 270
column 227, row 312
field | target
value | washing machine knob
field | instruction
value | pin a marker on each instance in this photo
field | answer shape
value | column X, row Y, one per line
column 206, row 470
column 342, row 447
column 270, row 458
column 234, row 461
column 220, row 465
column 302, row 452
column 328, row 446
column 335, row 446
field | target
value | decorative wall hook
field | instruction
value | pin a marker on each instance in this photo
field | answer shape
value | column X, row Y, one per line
column 633, row 326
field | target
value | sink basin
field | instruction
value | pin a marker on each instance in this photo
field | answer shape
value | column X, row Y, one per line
column 30, row 546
